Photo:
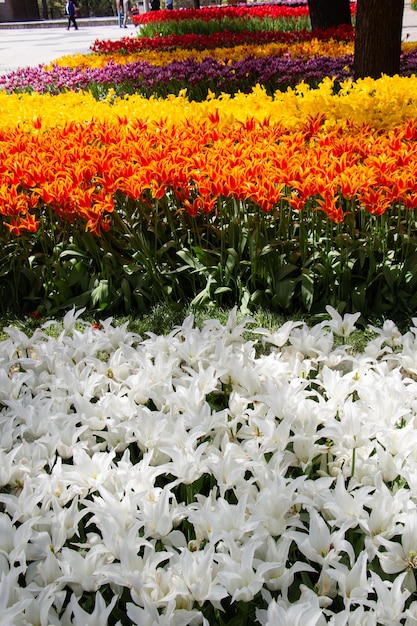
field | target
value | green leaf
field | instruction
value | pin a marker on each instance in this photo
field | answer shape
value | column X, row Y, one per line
column 285, row 270
column 190, row 260
column 72, row 253
column 230, row 266
column 391, row 275
column 220, row 290
column 100, row 294
column 203, row 256
column 127, row 293
column 358, row 295
column 307, row 288
column 284, row 293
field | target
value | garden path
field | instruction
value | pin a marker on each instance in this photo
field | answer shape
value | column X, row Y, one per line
column 409, row 22
column 34, row 43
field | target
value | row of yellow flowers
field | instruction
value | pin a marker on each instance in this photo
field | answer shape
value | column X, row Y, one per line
column 381, row 104
column 307, row 145
column 301, row 49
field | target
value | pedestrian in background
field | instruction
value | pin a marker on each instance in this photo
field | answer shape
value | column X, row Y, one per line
column 126, row 11
column 120, row 14
column 71, row 11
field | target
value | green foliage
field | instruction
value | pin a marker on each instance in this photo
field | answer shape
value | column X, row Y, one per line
column 197, row 91
column 54, row 9
column 155, row 253
column 233, row 25
column 284, row 261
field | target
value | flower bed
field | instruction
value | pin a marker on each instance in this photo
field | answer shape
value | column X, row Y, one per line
column 250, row 199
column 208, row 75
column 219, row 39
column 228, row 474
column 197, row 77
column 219, row 14
column 222, row 62
column 203, row 476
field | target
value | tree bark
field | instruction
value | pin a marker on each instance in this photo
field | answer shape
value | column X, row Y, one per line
column 45, row 11
column 19, row 11
column 378, row 37
column 31, row 10
column 329, row 13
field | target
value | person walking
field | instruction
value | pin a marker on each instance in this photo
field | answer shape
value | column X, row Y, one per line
column 71, row 11
column 120, row 14
column 126, row 11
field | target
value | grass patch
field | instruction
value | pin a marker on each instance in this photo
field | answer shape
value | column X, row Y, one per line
column 164, row 317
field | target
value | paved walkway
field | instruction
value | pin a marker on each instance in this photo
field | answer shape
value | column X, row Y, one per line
column 31, row 46
column 31, row 43
column 409, row 22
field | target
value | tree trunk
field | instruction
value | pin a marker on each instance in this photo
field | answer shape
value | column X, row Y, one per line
column 19, row 10
column 328, row 13
column 32, row 10
column 45, row 12
column 378, row 37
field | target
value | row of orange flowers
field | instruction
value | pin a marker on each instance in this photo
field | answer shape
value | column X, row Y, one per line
column 79, row 170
